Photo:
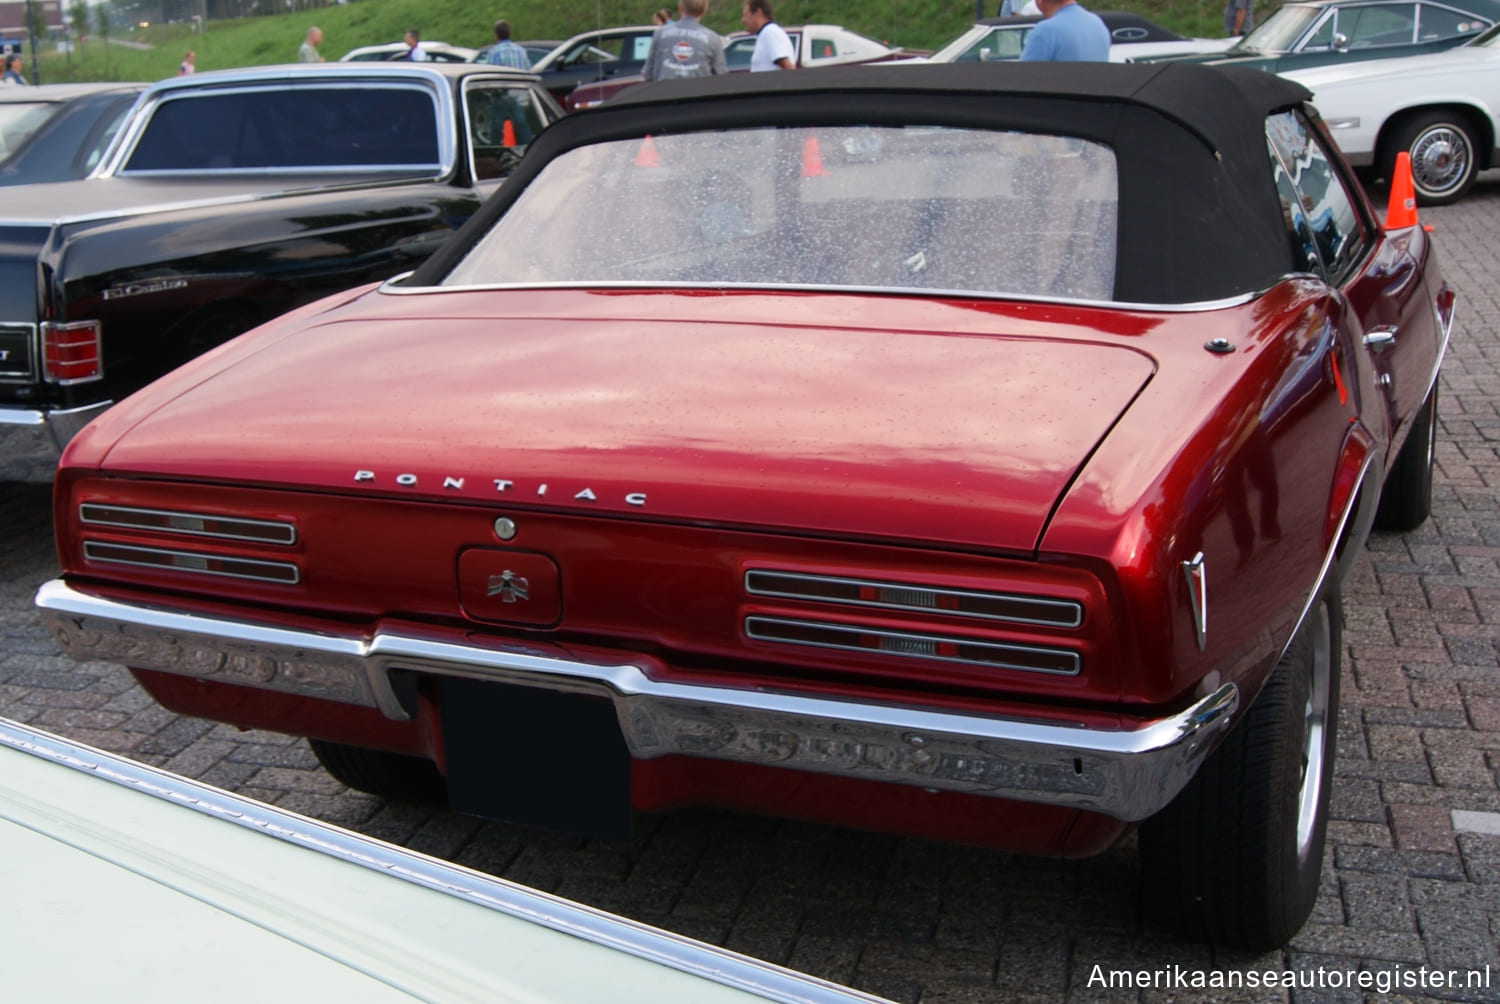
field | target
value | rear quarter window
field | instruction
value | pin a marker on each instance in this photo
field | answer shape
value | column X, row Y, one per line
column 291, row 128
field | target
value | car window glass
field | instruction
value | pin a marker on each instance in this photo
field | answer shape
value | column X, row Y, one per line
column 639, row 49
column 1322, row 37
column 1435, row 23
column 823, row 48
column 1331, row 215
column 1003, row 43
column 302, row 127
column 502, row 120
column 1378, row 25
column 737, row 53
column 19, row 120
column 915, row 207
column 1280, row 31
column 1304, row 250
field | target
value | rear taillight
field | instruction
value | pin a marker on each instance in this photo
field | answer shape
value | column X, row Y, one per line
column 72, row 352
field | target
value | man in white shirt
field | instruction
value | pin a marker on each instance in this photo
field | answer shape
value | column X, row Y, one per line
column 773, row 49
column 414, row 50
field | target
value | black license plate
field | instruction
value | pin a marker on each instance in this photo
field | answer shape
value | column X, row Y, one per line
column 536, row 757
column 15, row 352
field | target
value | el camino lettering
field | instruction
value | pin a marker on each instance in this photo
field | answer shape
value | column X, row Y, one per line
column 502, row 487
column 142, row 288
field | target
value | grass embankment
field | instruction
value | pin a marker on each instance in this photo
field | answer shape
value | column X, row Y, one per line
column 257, row 41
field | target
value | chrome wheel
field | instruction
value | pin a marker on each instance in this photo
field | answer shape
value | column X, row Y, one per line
column 1444, row 155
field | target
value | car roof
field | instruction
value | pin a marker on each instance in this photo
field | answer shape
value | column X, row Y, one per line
column 62, row 92
column 333, row 71
column 1199, row 217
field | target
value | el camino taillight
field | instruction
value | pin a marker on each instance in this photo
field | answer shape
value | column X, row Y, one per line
column 187, row 542
column 72, row 352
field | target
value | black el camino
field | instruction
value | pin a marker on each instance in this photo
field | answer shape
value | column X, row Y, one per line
column 224, row 200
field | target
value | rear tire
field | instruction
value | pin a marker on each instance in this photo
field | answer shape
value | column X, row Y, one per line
column 1406, row 496
column 1237, row 857
column 1444, row 155
column 389, row 775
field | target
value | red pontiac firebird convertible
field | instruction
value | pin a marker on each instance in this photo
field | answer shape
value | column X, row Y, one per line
column 965, row 451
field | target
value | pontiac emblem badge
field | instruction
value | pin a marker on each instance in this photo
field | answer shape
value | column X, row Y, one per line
column 509, row 586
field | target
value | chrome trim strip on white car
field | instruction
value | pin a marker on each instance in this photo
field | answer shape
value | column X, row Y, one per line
column 1129, row 773
column 597, row 927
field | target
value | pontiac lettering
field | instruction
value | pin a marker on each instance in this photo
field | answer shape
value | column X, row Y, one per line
column 503, row 486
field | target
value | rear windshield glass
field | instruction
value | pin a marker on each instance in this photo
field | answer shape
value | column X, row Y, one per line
column 291, row 127
column 18, row 121
column 916, row 207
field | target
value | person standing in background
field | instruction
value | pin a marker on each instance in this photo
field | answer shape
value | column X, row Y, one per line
column 186, row 67
column 1068, row 33
column 773, row 49
column 414, row 51
column 684, row 47
column 13, row 75
column 505, row 52
column 661, row 17
column 307, row 52
column 1239, row 17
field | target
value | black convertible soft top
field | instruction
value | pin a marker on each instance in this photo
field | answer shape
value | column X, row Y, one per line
column 1199, row 217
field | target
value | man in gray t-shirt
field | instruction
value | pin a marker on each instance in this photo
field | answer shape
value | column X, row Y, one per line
column 684, row 48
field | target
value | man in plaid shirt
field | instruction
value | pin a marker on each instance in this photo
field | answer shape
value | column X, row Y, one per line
column 505, row 52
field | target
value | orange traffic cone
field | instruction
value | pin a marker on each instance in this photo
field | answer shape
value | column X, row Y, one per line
column 1401, row 211
column 646, row 156
column 508, row 134
column 812, row 158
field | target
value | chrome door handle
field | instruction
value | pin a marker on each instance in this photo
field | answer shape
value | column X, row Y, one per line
column 1381, row 338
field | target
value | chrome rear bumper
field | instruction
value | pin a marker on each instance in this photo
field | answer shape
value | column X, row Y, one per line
column 1128, row 773
column 35, row 439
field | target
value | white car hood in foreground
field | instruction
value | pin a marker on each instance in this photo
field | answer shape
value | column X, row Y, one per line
column 127, row 883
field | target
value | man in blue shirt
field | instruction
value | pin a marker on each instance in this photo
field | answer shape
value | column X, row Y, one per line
column 505, row 52
column 1068, row 33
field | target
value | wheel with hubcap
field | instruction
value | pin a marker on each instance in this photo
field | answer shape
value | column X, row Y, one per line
column 1236, row 858
column 1444, row 156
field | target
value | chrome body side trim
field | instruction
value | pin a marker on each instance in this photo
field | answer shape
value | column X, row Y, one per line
column 1128, row 773
column 631, row 937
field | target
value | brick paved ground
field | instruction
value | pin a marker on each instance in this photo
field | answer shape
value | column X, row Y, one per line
column 1411, row 878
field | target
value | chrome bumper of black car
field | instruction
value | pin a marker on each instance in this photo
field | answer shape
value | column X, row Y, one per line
column 30, row 438
column 1128, row 773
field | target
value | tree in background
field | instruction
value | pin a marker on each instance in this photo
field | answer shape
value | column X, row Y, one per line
column 78, row 17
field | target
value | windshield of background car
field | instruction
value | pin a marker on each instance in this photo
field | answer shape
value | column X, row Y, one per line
column 1280, row 31
column 351, row 125
column 983, row 43
column 18, row 121
column 918, row 207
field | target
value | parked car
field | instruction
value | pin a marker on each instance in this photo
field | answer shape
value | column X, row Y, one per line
column 58, row 131
column 949, row 457
column 1439, row 108
column 229, row 198
column 172, row 885
column 437, row 52
column 1324, row 32
column 994, row 39
column 536, row 50
column 592, row 56
column 815, row 45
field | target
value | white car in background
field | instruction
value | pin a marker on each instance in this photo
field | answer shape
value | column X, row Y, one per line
column 437, row 52
column 1440, row 108
column 1132, row 38
column 126, row 883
